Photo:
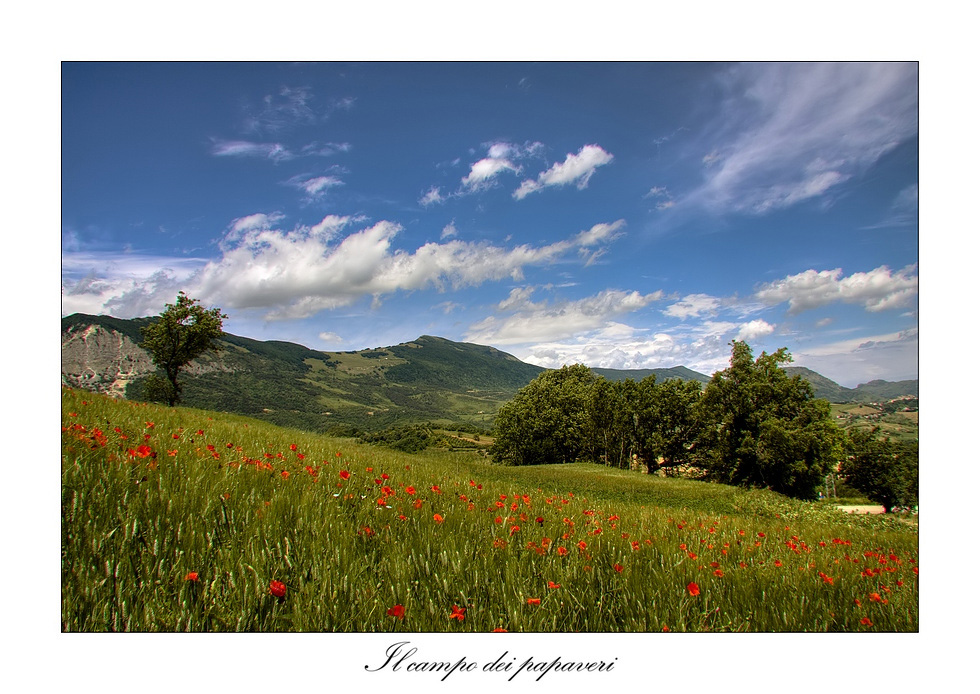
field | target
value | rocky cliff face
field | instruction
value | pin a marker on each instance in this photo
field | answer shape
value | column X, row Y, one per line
column 97, row 358
column 102, row 360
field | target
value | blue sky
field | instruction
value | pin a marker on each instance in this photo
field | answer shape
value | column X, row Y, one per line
column 624, row 215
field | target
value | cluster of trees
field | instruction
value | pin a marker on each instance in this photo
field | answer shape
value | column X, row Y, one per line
column 751, row 425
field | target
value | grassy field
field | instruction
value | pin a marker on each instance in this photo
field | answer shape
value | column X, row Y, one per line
column 187, row 520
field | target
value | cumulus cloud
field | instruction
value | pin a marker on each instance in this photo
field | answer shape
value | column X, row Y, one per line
column 877, row 290
column 297, row 273
column 577, row 169
column 753, row 330
column 539, row 322
column 794, row 132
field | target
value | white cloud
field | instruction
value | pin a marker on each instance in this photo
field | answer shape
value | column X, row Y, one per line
column 330, row 338
column 291, row 106
column 240, row 148
column 449, row 231
column 693, row 305
column 320, row 183
column 431, row 197
column 877, row 290
column 891, row 356
column 541, row 322
column 295, row 274
column 483, row 171
column 793, row 132
column 600, row 233
column 753, row 330
column 577, row 168
column 126, row 285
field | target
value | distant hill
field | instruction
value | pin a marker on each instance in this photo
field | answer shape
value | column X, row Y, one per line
column 873, row 391
column 456, row 385
column 681, row 372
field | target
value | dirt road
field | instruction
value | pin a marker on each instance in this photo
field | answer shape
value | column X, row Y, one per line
column 862, row 509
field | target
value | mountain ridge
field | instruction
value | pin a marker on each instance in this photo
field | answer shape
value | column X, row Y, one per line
column 427, row 380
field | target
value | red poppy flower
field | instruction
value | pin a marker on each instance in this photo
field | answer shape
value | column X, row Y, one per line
column 719, row 573
column 534, row 601
column 552, row 584
column 397, row 611
column 277, row 588
column 762, row 534
column 344, row 475
column 582, row 545
column 458, row 613
column 866, row 622
column 562, row 551
column 693, row 589
column 437, row 518
column 618, row 567
column 191, row 576
column 285, row 474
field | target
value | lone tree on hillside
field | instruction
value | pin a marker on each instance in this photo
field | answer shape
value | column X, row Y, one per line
column 765, row 429
column 183, row 332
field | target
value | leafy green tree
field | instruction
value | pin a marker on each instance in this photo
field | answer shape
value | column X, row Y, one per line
column 885, row 471
column 184, row 331
column 611, row 424
column 765, row 429
column 547, row 421
column 668, row 424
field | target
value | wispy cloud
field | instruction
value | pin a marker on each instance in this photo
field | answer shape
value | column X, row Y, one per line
column 242, row 148
column 315, row 187
column 289, row 107
column 433, row 196
column 903, row 211
column 794, row 132
column 860, row 359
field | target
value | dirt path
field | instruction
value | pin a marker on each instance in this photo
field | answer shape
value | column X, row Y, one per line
column 862, row 509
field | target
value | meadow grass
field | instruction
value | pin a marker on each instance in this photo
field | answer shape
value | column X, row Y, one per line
column 177, row 519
